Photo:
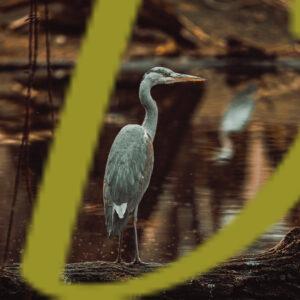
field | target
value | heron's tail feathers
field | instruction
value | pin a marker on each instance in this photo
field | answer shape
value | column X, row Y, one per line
column 120, row 209
column 116, row 220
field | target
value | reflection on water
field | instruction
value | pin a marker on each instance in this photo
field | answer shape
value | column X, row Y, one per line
column 190, row 197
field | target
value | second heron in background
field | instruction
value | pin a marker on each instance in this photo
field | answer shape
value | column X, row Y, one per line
column 235, row 119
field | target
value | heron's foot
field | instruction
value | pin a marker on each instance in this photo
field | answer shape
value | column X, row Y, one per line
column 119, row 261
column 139, row 262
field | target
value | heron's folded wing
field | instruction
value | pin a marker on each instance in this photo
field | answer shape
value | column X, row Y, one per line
column 128, row 168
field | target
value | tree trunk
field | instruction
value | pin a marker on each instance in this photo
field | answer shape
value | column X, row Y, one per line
column 273, row 274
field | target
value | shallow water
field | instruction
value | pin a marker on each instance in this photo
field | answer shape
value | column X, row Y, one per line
column 190, row 197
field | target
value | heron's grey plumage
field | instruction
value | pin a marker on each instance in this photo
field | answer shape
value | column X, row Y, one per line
column 127, row 175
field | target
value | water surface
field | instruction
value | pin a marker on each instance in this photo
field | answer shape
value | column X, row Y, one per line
column 190, row 197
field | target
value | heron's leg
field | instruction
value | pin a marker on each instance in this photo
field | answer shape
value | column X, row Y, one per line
column 137, row 258
column 119, row 259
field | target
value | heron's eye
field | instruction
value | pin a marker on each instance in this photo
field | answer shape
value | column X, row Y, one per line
column 166, row 73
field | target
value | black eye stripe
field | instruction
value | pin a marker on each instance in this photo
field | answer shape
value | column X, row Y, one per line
column 160, row 70
column 163, row 72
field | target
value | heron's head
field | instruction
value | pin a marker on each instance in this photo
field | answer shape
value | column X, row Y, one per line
column 160, row 75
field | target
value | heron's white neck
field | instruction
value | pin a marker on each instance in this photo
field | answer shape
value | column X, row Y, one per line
column 151, row 117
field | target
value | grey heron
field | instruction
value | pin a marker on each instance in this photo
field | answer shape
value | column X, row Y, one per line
column 130, row 161
column 235, row 119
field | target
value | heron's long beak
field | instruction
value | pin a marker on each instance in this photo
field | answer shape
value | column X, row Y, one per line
column 187, row 78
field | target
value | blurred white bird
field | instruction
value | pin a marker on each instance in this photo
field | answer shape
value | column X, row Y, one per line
column 235, row 119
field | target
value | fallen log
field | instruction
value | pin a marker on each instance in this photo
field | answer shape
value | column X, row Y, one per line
column 273, row 274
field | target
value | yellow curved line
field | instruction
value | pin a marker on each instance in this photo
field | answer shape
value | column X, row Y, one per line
column 295, row 18
column 68, row 166
column 75, row 140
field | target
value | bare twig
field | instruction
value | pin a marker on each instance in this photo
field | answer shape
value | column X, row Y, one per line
column 24, row 147
column 48, row 55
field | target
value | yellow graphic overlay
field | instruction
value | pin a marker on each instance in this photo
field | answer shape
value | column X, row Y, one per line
column 66, row 172
column 295, row 18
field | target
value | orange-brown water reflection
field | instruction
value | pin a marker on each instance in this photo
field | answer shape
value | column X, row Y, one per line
column 190, row 197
